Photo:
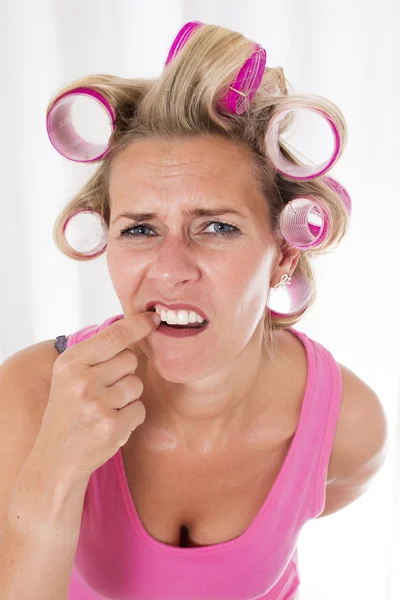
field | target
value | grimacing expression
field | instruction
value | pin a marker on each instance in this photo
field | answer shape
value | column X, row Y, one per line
column 220, row 262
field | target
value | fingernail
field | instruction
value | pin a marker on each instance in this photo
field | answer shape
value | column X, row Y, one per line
column 156, row 318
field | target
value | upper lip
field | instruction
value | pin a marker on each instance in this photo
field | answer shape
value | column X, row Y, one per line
column 177, row 307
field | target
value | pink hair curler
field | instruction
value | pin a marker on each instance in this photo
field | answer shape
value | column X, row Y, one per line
column 181, row 38
column 341, row 192
column 62, row 133
column 285, row 166
column 290, row 299
column 73, row 146
column 85, row 232
column 304, row 223
column 247, row 82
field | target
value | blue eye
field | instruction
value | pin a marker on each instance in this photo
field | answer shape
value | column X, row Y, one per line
column 126, row 232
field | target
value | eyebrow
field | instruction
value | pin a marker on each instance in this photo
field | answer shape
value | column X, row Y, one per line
column 198, row 212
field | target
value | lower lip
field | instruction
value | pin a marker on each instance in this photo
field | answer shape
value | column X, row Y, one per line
column 179, row 333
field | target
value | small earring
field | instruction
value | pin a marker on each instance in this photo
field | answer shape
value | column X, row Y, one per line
column 291, row 301
column 285, row 279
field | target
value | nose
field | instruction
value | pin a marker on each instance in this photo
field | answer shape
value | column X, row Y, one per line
column 174, row 261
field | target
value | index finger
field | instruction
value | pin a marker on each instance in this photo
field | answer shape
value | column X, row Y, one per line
column 114, row 338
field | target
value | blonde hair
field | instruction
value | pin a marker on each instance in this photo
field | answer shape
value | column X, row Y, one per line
column 182, row 101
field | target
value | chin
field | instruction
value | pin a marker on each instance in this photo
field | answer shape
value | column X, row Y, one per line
column 176, row 369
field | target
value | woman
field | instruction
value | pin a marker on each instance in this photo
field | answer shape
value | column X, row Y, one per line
column 248, row 428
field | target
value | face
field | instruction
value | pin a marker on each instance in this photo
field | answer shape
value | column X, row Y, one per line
column 221, row 263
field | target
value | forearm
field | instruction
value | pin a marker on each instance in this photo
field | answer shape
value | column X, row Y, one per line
column 39, row 539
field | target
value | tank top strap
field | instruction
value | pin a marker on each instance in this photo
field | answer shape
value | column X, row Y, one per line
column 323, row 415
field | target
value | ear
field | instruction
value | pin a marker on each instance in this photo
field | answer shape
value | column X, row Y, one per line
column 285, row 262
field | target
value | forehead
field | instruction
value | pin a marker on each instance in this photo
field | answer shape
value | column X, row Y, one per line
column 210, row 162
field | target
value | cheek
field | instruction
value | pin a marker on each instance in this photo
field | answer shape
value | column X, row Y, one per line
column 251, row 285
column 112, row 265
column 119, row 260
column 123, row 272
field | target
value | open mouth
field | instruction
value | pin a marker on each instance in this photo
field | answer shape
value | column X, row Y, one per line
column 188, row 326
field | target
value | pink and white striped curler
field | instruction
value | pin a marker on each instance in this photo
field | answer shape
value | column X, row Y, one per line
column 181, row 38
column 291, row 299
column 246, row 84
column 85, row 232
column 304, row 223
column 341, row 192
column 62, row 133
column 285, row 166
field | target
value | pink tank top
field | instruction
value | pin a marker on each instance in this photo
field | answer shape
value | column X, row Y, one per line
column 117, row 559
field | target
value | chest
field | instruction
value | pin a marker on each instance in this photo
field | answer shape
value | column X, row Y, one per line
column 186, row 503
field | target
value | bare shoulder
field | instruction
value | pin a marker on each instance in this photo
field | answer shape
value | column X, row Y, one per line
column 360, row 440
column 30, row 372
column 361, row 436
column 360, row 444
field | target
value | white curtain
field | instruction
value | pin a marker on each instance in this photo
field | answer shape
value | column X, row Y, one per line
column 345, row 50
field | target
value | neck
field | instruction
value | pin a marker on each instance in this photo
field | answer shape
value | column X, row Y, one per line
column 200, row 413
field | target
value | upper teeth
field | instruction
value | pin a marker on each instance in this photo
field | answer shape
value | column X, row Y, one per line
column 178, row 317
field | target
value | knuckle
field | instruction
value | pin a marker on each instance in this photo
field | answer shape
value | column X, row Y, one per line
column 134, row 360
column 105, row 427
column 93, row 411
column 130, row 359
column 117, row 336
column 137, row 384
column 141, row 410
column 132, row 387
column 62, row 363
column 81, row 386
